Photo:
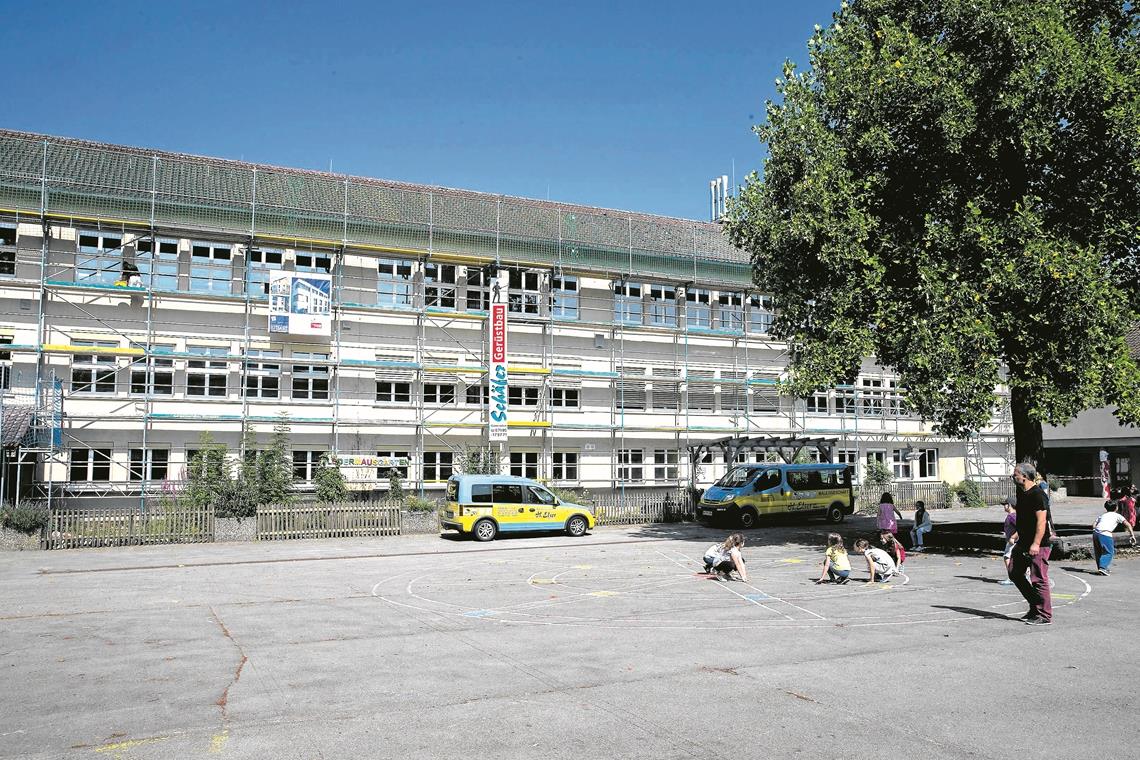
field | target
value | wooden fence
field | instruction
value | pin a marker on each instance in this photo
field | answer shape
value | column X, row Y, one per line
column 636, row 508
column 72, row 527
column 905, row 494
column 347, row 520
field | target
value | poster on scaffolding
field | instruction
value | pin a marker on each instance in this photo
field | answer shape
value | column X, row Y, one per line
column 300, row 304
column 497, row 374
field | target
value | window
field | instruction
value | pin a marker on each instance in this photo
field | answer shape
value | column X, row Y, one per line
column 393, row 392
column 766, row 396
column 665, row 464
column 928, row 463
column 900, row 465
column 7, row 249
column 816, row 403
column 210, row 268
column 478, row 289
column 849, row 457
column 437, row 393
column 523, row 292
column 502, row 493
column 318, row 263
column 666, row 395
column 157, row 263
column 630, row 465
column 662, row 305
column 522, row 396
column 730, row 312
column 896, row 406
column 524, row 464
column 394, row 282
column 93, row 373
column 392, row 461
column 759, row 314
column 439, row 285
column 564, row 397
column 701, row 392
column 565, row 465
column 5, row 363
column 149, row 464
column 698, row 308
column 845, row 401
column 153, row 375
column 305, row 464
column 477, row 395
column 207, row 376
column 482, row 493
column 262, row 374
column 100, row 260
column 871, row 400
column 438, row 465
column 630, row 393
column 310, row 381
column 258, row 265
column 89, row 465
column 733, row 393
column 627, row 303
column 564, row 290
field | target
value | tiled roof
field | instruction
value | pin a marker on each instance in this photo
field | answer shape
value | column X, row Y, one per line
column 14, row 424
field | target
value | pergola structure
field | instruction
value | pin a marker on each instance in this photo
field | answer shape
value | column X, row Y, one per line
column 788, row 447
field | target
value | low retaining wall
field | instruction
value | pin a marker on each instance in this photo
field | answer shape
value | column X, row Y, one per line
column 15, row 541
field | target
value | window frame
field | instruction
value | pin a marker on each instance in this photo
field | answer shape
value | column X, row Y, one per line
column 205, row 269
column 208, row 363
column 310, row 382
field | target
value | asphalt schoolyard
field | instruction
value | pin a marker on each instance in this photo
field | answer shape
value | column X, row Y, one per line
column 611, row 645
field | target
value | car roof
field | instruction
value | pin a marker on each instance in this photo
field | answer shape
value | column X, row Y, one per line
column 491, row 479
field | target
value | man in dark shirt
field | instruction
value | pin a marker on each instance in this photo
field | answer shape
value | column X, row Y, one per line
column 1028, row 551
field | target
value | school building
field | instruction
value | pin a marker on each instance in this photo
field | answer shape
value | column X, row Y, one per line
column 147, row 297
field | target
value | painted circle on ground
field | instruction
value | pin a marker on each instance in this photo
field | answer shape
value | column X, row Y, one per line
column 661, row 586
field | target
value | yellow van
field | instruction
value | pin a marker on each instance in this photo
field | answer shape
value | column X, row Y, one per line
column 483, row 505
column 748, row 492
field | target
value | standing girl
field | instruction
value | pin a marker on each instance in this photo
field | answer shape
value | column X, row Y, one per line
column 888, row 514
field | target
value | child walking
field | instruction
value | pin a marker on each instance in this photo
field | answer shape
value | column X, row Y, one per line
column 879, row 563
column 725, row 557
column 1104, row 546
column 1009, row 527
column 836, row 565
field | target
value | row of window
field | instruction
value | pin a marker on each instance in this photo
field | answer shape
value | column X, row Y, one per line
column 924, row 465
column 155, row 263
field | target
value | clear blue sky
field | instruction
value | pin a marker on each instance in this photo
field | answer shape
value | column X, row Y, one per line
column 629, row 105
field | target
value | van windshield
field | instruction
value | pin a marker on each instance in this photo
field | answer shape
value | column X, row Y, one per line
column 737, row 477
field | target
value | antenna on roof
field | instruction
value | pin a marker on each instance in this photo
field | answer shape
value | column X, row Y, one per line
column 718, row 198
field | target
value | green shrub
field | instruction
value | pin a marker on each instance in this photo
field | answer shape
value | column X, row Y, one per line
column 581, row 496
column 1055, row 483
column 877, row 474
column 417, row 504
column 969, row 493
column 25, row 518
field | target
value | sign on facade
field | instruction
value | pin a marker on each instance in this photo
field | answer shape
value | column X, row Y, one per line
column 497, row 402
column 300, row 304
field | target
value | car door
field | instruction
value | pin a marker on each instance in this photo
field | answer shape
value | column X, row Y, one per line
column 509, row 509
column 540, row 506
column 767, row 489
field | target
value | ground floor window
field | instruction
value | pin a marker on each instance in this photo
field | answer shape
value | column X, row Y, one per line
column 305, row 464
column 89, row 465
column 631, row 464
column 928, row 463
column 149, row 464
column 392, row 462
column 438, row 465
column 665, row 464
column 565, row 465
column 524, row 464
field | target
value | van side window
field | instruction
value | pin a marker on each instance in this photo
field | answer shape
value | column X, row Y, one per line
column 508, row 494
column 535, row 495
column 481, row 493
column 769, row 479
column 816, row 479
column 799, row 480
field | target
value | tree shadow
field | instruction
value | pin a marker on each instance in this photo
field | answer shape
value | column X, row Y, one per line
column 988, row 614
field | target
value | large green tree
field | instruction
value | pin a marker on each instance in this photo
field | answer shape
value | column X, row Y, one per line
column 952, row 187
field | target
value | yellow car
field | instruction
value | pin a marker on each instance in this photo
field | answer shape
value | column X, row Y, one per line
column 483, row 505
column 748, row 492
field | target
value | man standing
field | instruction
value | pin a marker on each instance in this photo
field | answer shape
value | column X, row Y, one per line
column 1028, row 553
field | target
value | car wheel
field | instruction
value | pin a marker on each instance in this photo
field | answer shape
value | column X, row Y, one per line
column 835, row 513
column 484, row 530
column 748, row 518
column 576, row 526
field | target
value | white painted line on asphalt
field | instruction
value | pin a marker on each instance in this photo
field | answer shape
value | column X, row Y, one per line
column 730, row 590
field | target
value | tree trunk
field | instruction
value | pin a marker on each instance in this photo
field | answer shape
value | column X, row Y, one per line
column 1027, row 440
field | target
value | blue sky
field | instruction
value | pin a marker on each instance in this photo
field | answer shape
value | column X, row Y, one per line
column 629, row 105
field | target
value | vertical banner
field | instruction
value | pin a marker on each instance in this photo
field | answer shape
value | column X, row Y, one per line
column 497, row 374
column 300, row 304
column 1105, row 476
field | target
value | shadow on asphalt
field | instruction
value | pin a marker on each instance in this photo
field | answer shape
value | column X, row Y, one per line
column 989, row 614
column 1083, row 570
column 979, row 578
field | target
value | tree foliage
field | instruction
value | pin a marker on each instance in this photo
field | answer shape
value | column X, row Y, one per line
column 952, row 187
column 329, row 480
column 479, row 460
